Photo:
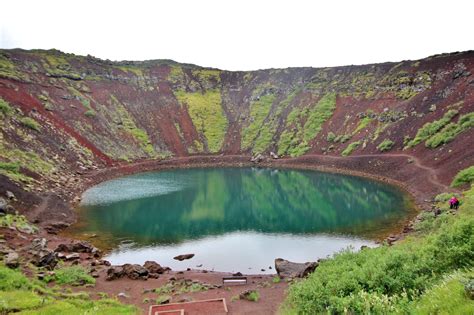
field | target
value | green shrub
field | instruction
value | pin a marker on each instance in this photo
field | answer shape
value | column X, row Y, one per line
column 13, row 280
column 385, row 145
column 466, row 176
column 74, row 275
column 10, row 167
column 384, row 279
column 252, row 296
column 450, row 131
column 350, row 148
column 90, row 113
column 30, row 123
column 19, row 222
column 443, row 197
column 5, row 108
column 321, row 112
column 331, row 136
column 345, row 138
column 429, row 129
column 276, row 279
column 447, row 297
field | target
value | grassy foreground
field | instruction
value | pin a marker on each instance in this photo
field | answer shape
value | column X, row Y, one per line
column 53, row 295
column 424, row 274
column 21, row 295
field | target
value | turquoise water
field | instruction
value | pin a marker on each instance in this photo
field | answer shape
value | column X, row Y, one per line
column 237, row 219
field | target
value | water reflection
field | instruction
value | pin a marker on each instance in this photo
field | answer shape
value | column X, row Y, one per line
column 176, row 208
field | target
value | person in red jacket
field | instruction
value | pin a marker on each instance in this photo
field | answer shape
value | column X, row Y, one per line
column 453, row 203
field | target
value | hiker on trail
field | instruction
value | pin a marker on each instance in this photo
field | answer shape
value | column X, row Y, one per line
column 453, row 203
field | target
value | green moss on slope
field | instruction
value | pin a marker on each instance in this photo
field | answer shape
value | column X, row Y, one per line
column 304, row 124
column 139, row 134
column 208, row 117
column 259, row 110
column 451, row 130
column 430, row 129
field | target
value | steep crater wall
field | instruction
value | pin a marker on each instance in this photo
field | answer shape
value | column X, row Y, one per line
column 65, row 116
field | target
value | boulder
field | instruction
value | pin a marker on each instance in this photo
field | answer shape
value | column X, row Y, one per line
column 54, row 227
column 77, row 247
column 3, row 205
column 41, row 255
column 39, row 244
column 44, row 258
column 72, row 256
column 10, row 195
column 183, row 257
column 154, row 267
column 288, row 269
column 135, row 271
column 115, row 272
column 273, row 155
column 257, row 159
column 12, row 260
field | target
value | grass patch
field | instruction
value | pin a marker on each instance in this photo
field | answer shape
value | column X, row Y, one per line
column 259, row 110
column 331, row 136
column 252, row 296
column 276, row 279
column 18, row 222
column 447, row 297
column 16, row 159
column 74, row 275
column 450, row 131
column 10, row 167
column 90, row 113
column 5, row 107
column 350, row 148
column 385, row 145
column 130, row 126
column 14, row 301
column 30, row 123
column 18, row 293
column 430, row 129
column 363, row 123
column 207, row 115
column 304, row 124
column 318, row 116
column 465, row 176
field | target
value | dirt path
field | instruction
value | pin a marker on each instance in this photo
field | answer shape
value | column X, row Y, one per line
column 433, row 177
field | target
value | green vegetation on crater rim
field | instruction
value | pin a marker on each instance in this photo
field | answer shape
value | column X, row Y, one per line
column 424, row 274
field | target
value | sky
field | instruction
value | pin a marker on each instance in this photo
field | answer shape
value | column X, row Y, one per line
column 242, row 34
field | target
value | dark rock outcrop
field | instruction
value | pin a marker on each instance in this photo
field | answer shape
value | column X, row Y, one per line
column 42, row 256
column 135, row 271
column 154, row 267
column 115, row 272
column 183, row 257
column 12, row 260
column 288, row 269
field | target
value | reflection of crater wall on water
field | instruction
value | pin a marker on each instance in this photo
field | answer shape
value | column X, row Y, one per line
column 217, row 201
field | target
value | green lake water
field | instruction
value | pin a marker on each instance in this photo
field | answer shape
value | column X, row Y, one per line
column 237, row 219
